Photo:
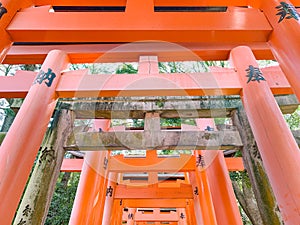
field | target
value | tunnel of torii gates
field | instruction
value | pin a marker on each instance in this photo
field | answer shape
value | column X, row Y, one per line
column 56, row 33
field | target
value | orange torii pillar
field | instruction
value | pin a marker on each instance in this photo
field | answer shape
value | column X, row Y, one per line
column 224, row 201
column 284, row 39
column 91, row 188
column 277, row 146
column 118, row 207
column 22, row 142
column 117, row 216
column 8, row 9
column 203, row 205
column 226, row 208
column 109, row 200
column 109, row 215
column 189, row 208
column 202, row 193
column 206, row 202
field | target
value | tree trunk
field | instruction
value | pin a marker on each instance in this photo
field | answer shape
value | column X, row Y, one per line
column 37, row 197
column 247, row 201
column 10, row 113
column 65, row 179
column 9, row 118
column 263, row 193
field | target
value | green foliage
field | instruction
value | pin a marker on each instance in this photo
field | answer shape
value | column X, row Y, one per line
column 170, row 122
column 174, row 152
column 2, row 136
column 160, row 103
column 5, row 70
column 240, row 177
column 293, row 120
column 221, row 120
column 167, row 152
column 172, row 67
column 62, row 201
column 189, row 66
column 138, row 122
column 30, row 67
column 126, row 69
column 79, row 66
column 189, row 122
column 216, row 63
column 238, row 154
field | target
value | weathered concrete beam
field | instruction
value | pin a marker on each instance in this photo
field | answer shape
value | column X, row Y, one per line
column 158, row 140
column 170, row 107
column 207, row 107
column 72, row 146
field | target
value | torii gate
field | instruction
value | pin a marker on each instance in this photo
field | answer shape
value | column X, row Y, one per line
column 230, row 34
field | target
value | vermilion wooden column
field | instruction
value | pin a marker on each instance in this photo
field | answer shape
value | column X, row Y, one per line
column 199, row 216
column 22, row 142
column 98, row 206
column 91, row 185
column 277, row 146
column 7, row 11
column 203, row 205
column 215, row 176
column 109, row 200
column 204, row 197
column 226, row 209
column 117, row 212
column 284, row 39
column 190, row 212
column 223, row 197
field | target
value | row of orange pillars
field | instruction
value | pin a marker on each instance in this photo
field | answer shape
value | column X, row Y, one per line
column 275, row 141
column 202, row 196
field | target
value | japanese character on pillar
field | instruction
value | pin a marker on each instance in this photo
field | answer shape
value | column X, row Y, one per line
column 254, row 74
column 287, row 11
column 48, row 77
column 121, row 202
column 47, row 154
column 26, row 211
column 196, row 191
column 22, row 222
column 200, row 161
column 130, row 216
column 3, row 10
column 182, row 216
column 109, row 191
column 105, row 163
